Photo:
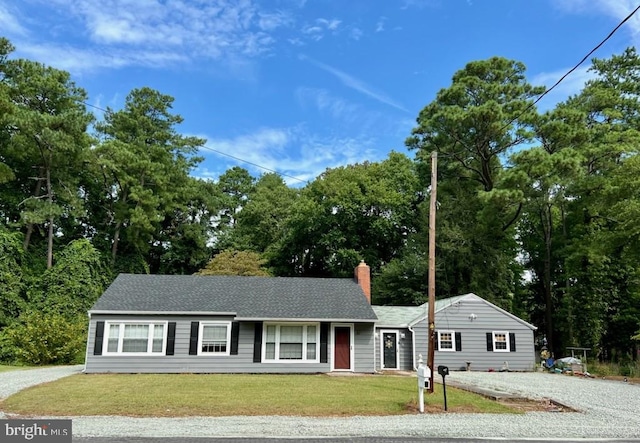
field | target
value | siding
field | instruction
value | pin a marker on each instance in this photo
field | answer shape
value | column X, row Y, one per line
column 473, row 338
column 182, row 362
column 405, row 349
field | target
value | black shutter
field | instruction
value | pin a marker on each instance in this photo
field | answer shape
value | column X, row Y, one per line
column 512, row 342
column 97, row 346
column 458, row 341
column 489, row 342
column 235, row 335
column 435, row 340
column 171, row 338
column 193, row 338
column 324, row 342
column 257, row 343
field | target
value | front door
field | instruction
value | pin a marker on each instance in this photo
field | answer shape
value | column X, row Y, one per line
column 342, row 348
column 389, row 350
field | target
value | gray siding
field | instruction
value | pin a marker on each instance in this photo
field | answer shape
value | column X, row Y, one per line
column 182, row 362
column 473, row 338
column 405, row 349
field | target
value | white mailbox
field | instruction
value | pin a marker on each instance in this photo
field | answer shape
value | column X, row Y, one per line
column 424, row 377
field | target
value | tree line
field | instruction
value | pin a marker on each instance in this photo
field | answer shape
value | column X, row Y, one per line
column 538, row 212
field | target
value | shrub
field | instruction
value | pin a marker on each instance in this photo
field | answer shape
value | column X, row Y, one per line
column 41, row 339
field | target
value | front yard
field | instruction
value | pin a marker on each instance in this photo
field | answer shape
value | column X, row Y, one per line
column 181, row 395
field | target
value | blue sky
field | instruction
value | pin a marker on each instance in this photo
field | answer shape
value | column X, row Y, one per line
column 298, row 86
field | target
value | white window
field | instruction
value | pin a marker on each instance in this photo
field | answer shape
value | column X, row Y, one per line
column 214, row 338
column 446, row 341
column 136, row 338
column 500, row 341
column 291, row 342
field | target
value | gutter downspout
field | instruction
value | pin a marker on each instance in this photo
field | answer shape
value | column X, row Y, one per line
column 413, row 348
column 86, row 353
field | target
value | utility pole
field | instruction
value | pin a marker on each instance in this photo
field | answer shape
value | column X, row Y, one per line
column 432, row 268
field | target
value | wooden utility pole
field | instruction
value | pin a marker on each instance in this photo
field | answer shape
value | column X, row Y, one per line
column 432, row 268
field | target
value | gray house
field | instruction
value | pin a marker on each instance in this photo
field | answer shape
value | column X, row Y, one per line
column 470, row 332
column 209, row 324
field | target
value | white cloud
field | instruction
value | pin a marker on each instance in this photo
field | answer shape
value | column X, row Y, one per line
column 354, row 83
column 291, row 151
column 571, row 85
column 617, row 9
column 155, row 32
column 9, row 22
column 320, row 27
column 380, row 24
column 356, row 33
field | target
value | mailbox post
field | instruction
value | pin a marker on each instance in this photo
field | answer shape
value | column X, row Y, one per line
column 424, row 381
column 444, row 371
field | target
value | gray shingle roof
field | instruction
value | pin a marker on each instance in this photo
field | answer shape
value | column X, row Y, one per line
column 247, row 297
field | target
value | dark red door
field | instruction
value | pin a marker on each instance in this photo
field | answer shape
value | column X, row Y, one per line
column 342, row 347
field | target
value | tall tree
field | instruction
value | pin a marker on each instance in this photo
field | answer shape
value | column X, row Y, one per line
column 474, row 124
column 48, row 143
column 144, row 163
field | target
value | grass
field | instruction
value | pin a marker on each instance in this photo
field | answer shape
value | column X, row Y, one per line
column 6, row 368
column 181, row 395
column 629, row 369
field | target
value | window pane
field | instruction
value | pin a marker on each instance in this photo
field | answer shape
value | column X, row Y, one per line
column 158, row 338
column 311, row 334
column 271, row 334
column 291, row 334
column 136, row 338
column 500, row 341
column 214, row 338
column 291, row 351
column 112, row 342
column 311, row 351
column 270, row 351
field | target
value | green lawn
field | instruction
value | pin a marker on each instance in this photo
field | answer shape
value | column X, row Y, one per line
column 180, row 395
column 5, row 368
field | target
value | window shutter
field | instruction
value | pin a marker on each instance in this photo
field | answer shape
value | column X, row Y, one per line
column 512, row 342
column 489, row 342
column 193, row 338
column 257, row 343
column 97, row 345
column 171, row 338
column 435, row 340
column 324, row 342
column 458, row 341
column 235, row 336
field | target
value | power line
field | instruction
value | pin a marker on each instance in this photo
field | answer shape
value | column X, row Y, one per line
column 585, row 57
column 219, row 152
column 572, row 69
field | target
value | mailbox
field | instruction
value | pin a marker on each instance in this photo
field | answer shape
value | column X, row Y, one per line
column 424, row 377
column 443, row 370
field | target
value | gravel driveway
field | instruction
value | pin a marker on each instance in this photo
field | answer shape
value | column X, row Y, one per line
column 610, row 410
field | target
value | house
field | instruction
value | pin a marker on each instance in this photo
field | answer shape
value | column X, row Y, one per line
column 210, row 324
column 471, row 333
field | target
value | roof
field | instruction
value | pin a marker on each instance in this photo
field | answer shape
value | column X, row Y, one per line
column 398, row 316
column 250, row 298
column 404, row 316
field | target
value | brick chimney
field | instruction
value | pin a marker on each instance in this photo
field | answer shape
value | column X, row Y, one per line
column 362, row 275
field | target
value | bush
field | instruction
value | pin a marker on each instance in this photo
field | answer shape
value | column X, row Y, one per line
column 40, row 339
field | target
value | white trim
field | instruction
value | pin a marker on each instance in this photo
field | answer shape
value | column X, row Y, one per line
column 472, row 296
column 413, row 348
column 305, row 320
column 351, row 347
column 201, row 334
column 507, row 341
column 121, row 324
column 397, row 333
column 111, row 312
column 277, row 359
column 453, row 340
